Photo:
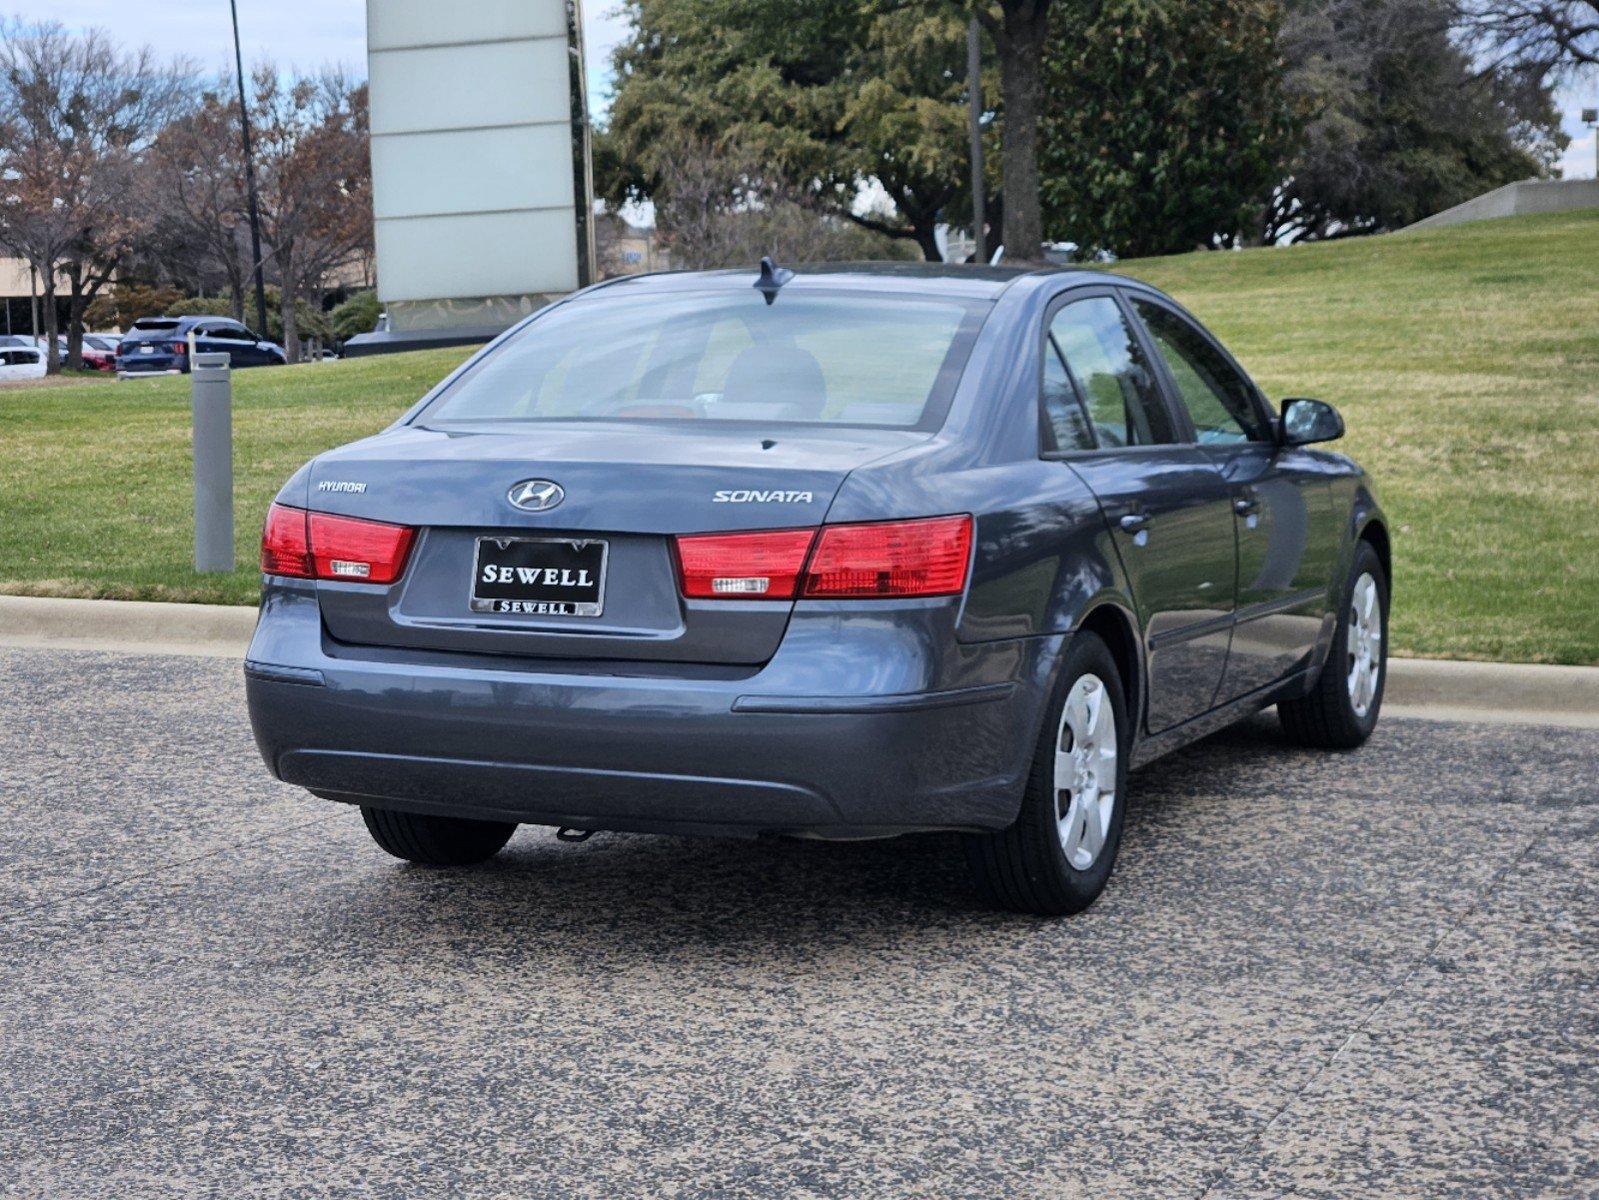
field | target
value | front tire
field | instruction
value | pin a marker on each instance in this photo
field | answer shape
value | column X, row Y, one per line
column 436, row 841
column 1341, row 710
column 1057, row 856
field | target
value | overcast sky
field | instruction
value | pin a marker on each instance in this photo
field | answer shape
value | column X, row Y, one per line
column 314, row 33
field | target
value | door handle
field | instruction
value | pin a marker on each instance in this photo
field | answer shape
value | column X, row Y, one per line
column 1135, row 522
column 1246, row 506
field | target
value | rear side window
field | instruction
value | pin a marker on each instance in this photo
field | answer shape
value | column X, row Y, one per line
column 1065, row 419
column 810, row 357
column 1108, row 366
column 1219, row 400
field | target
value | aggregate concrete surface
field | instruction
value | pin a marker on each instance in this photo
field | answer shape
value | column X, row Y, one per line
column 1369, row 974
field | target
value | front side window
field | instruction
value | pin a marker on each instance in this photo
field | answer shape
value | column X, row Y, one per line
column 1219, row 400
column 810, row 357
column 1117, row 384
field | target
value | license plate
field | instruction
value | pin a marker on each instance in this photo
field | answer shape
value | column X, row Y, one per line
column 146, row 349
column 554, row 577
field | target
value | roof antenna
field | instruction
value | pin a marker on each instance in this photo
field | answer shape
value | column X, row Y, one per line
column 772, row 278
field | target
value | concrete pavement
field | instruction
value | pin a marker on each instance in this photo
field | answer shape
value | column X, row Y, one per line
column 1313, row 975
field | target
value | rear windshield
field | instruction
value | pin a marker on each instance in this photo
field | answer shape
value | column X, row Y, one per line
column 808, row 358
column 156, row 323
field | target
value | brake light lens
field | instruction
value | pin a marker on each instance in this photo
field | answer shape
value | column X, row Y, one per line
column 883, row 559
column 749, row 566
column 180, row 347
column 313, row 545
column 890, row 559
column 286, row 542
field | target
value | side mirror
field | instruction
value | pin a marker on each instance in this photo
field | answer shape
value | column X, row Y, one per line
column 1307, row 421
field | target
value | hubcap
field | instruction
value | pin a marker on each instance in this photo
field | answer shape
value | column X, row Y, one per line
column 1365, row 644
column 1085, row 772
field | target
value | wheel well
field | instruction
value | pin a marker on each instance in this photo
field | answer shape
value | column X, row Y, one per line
column 1115, row 629
column 1376, row 533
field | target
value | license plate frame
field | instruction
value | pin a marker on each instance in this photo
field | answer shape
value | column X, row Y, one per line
column 581, row 601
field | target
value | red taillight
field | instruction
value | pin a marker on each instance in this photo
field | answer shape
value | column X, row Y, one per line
column 180, row 347
column 890, row 558
column 313, row 545
column 286, row 542
column 887, row 559
column 749, row 566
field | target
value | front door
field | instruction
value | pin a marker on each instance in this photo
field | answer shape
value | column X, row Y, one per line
column 1281, row 503
column 1167, row 504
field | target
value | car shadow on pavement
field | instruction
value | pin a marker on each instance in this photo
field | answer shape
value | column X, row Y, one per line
column 617, row 890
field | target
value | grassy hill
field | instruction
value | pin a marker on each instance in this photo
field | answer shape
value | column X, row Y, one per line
column 1466, row 363
column 1465, row 360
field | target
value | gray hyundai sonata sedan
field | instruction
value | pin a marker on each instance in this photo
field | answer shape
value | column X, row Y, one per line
column 840, row 552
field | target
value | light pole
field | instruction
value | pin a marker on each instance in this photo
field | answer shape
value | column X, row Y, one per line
column 1590, row 118
column 249, row 180
column 974, row 117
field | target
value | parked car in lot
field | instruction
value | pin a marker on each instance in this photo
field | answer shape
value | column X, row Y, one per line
column 24, row 361
column 100, row 351
column 846, row 552
column 160, row 345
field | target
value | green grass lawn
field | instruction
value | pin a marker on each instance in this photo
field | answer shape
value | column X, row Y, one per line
column 1466, row 362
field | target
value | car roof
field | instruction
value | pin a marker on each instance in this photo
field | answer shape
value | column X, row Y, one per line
column 181, row 321
column 963, row 280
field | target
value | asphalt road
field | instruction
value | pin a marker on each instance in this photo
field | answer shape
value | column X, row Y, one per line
column 1364, row 975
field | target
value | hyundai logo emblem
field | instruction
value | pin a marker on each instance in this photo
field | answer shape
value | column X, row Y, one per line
column 536, row 495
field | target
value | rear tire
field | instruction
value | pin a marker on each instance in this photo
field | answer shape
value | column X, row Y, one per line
column 436, row 841
column 1057, row 856
column 1341, row 710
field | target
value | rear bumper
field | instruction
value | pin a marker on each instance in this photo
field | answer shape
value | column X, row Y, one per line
column 135, row 368
column 940, row 739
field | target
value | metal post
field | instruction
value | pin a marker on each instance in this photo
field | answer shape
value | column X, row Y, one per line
column 211, row 397
column 974, row 108
column 249, row 179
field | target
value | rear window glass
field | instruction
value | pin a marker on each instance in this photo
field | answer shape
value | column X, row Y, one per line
column 809, row 357
column 156, row 323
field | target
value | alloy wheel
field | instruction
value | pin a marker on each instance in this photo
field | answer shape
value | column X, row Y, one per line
column 1365, row 644
column 1085, row 771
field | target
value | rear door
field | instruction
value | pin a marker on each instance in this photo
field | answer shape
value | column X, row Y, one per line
column 1280, row 502
column 222, row 337
column 1168, row 507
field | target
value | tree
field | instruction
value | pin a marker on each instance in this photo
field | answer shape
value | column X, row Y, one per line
column 1401, row 122
column 75, row 115
column 358, row 314
column 196, row 167
column 315, row 182
column 1548, row 37
column 121, row 304
column 1019, row 30
column 839, row 94
column 1164, row 124
column 719, row 208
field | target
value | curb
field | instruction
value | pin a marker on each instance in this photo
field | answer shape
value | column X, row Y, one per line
column 129, row 626
column 1521, row 693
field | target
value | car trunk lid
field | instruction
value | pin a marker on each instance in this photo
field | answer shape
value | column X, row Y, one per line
column 626, row 490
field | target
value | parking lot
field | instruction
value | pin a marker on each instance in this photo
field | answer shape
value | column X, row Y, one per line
column 1359, row 975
